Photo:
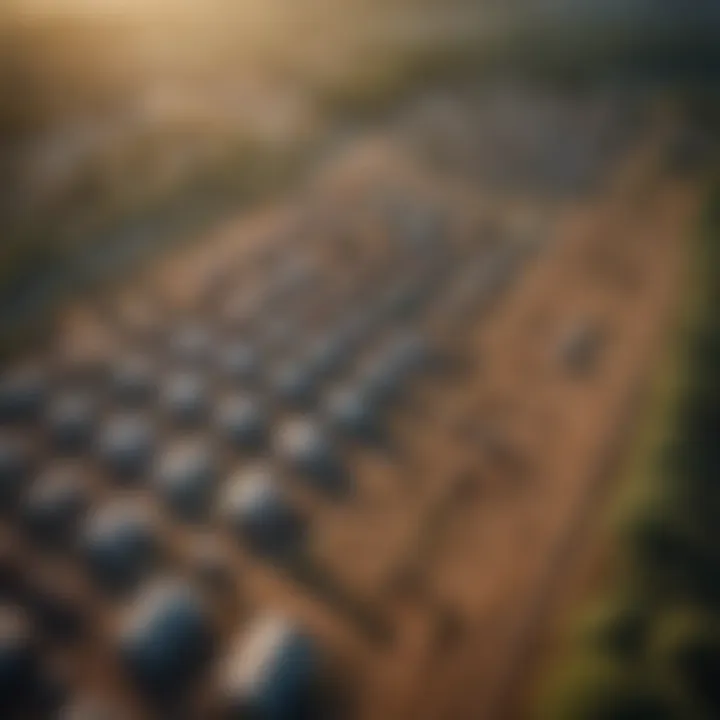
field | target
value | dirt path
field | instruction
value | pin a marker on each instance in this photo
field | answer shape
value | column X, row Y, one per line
column 578, row 431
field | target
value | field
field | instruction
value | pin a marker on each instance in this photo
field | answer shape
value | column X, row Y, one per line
column 646, row 639
column 495, row 292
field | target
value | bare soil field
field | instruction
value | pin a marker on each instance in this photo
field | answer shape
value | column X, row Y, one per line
column 499, row 343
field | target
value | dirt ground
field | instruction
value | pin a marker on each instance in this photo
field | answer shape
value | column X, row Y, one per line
column 445, row 569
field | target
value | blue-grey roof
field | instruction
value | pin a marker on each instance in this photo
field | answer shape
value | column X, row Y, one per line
column 165, row 636
column 270, row 671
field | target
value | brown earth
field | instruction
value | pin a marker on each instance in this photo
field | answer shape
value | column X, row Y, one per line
column 469, row 539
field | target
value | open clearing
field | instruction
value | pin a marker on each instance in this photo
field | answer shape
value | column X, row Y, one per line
column 536, row 318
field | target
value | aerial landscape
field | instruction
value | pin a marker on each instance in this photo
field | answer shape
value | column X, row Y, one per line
column 359, row 360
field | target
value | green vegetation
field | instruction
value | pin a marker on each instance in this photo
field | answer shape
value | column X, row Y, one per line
column 651, row 648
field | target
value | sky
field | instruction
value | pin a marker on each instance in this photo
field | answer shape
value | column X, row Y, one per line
column 684, row 12
column 101, row 7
